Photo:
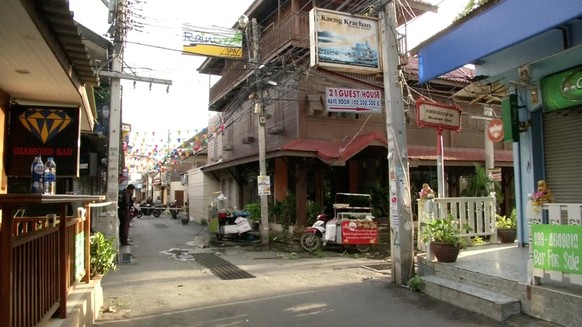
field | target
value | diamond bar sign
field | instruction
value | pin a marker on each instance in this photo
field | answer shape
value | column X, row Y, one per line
column 52, row 131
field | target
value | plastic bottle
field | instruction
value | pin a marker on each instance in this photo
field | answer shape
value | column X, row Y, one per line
column 50, row 177
column 37, row 174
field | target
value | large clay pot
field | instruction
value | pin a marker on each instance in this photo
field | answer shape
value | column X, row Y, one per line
column 507, row 235
column 444, row 252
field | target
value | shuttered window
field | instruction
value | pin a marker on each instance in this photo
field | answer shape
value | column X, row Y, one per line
column 563, row 154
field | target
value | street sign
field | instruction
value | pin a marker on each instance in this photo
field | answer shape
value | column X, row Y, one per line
column 264, row 184
column 495, row 130
column 438, row 115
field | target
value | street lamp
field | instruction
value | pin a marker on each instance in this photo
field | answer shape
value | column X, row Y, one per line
column 262, row 179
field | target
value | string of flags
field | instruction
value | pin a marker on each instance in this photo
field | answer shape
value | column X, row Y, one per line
column 159, row 152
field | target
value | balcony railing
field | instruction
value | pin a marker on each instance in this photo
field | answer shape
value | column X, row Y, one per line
column 42, row 257
column 293, row 31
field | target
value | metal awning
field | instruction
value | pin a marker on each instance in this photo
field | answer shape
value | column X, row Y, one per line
column 496, row 26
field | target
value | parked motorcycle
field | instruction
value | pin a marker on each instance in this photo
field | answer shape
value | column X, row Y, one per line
column 145, row 209
column 133, row 212
column 174, row 210
column 352, row 226
column 158, row 209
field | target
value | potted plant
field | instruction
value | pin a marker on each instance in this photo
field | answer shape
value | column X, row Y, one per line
column 103, row 255
column 445, row 238
column 507, row 227
column 254, row 210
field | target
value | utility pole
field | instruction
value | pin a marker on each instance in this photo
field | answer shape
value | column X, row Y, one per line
column 401, row 225
column 261, row 119
column 262, row 180
column 118, row 12
column 117, row 17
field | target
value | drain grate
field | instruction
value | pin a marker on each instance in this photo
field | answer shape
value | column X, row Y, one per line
column 220, row 267
column 160, row 226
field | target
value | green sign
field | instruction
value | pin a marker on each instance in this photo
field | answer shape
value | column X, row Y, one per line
column 510, row 115
column 557, row 247
column 79, row 255
column 562, row 90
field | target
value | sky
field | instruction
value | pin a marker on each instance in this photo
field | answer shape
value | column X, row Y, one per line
column 152, row 50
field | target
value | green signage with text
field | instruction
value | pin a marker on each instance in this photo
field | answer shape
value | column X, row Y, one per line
column 562, row 90
column 557, row 247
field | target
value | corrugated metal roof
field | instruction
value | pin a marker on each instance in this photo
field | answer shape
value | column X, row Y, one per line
column 60, row 19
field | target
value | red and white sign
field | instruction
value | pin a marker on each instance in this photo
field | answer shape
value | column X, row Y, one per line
column 438, row 115
column 495, row 130
column 359, row 231
column 353, row 100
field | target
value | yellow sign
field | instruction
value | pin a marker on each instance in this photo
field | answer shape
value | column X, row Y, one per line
column 212, row 42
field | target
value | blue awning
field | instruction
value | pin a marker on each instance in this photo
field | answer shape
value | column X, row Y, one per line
column 504, row 24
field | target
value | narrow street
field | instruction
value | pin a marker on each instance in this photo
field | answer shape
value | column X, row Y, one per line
column 164, row 285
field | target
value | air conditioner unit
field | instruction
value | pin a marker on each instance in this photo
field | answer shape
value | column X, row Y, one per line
column 248, row 140
column 227, row 147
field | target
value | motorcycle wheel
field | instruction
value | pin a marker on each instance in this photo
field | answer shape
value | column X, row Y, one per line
column 157, row 213
column 310, row 242
column 362, row 248
column 139, row 214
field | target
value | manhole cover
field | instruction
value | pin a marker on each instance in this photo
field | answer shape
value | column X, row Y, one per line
column 220, row 267
column 160, row 226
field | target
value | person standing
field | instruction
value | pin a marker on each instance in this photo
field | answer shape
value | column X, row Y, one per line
column 123, row 213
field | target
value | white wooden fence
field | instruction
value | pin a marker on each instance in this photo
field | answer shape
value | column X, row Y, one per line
column 476, row 212
column 553, row 214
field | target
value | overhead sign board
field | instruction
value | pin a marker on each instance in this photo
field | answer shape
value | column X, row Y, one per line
column 344, row 42
column 438, row 115
column 353, row 100
column 212, row 42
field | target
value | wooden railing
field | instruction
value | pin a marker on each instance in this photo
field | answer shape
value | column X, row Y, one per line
column 478, row 213
column 564, row 214
column 291, row 31
column 41, row 261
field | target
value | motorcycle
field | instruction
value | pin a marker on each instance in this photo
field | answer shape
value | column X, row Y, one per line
column 133, row 212
column 174, row 210
column 352, row 227
column 145, row 209
column 158, row 209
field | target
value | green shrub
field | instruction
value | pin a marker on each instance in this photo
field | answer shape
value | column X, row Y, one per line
column 254, row 210
column 103, row 254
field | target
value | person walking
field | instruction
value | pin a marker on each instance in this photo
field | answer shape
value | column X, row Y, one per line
column 123, row 213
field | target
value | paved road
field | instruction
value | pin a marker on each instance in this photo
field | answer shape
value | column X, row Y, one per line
column 159, row 288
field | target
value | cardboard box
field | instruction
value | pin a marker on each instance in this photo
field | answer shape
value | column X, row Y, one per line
column 229, row 229
column 244, row 227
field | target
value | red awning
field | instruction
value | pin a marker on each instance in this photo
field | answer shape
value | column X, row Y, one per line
column 420, row 152
column 330, row 151
column 333, row 151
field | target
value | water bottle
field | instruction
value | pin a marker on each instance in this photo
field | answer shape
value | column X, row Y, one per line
column 50, row 177
column 37, row 173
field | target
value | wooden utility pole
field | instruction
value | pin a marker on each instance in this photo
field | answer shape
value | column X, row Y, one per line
column 401, row 225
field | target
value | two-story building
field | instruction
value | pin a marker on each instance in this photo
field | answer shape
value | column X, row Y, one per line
column 311, row 152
